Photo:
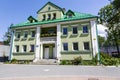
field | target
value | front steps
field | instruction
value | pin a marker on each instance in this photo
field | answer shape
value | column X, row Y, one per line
column 46, row 62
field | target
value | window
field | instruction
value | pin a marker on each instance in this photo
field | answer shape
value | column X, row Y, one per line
column 49, row 16
column 85, row 29
column 24, row 48
column 65, row 46
column 32, row 47
column 18, row 35
column 54, row 15
column 25, row 34
column 49, row 8
column 75, row 46
column 65, row 31
column 44, row 17
column 17, row 48
column 75, row 30
column 69, row 15
column 86, row 46
column 33, row 34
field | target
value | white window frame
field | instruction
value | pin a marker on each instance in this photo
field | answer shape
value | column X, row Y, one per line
column 24, row 34
column 87, row 28
column 16, row 48
column 72, row 29
column 23, row 48
column 67, row 30
column 73, row 46
column 84, row 46
column 63, row 46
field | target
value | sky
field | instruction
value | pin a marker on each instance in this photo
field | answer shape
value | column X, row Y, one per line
column 17, row 11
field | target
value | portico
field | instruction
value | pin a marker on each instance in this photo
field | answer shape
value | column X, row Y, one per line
column 47, row 47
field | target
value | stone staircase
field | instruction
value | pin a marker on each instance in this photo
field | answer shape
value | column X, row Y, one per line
column 46, row 62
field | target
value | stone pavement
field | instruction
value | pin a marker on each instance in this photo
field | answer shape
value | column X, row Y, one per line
column 58, row 72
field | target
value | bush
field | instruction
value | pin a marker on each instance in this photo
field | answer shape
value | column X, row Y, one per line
column 77, row 60
column 105, row 59
column 88, row 62
column 66, row 62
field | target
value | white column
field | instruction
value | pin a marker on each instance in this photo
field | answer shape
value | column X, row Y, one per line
column 41, row 51
column 58, row 44
column 94, row 37
column 37, row 46
column 12, row 45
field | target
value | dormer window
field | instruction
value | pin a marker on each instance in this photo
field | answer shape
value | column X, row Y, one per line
column 70, row 14
column 54, row 15
column 49, row 16
column 44, row 17
column 31, row 19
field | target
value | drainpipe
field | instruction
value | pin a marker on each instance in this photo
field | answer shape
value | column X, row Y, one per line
column 11, row 45
column 98, row 56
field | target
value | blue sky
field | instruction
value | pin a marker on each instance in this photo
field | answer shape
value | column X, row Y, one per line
column 17, row 11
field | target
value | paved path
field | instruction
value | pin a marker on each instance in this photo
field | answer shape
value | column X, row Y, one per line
column 57, row 72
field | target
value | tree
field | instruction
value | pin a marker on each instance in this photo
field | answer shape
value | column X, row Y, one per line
column 110, row 16
column 101, row 41
column 7, row 36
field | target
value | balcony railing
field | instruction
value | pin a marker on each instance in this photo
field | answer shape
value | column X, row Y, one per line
column 45, row 39
column 48, row 35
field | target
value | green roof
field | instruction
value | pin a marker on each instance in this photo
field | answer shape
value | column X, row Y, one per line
column 52, row 5
column 78, row 16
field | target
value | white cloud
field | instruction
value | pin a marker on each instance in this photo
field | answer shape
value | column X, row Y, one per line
column 101, row 30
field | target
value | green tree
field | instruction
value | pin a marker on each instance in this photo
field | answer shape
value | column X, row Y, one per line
column 110, row 16
column 101, row 41
column 7, row 36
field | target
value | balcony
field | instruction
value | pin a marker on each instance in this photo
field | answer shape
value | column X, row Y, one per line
column 48, row 35
column 48, row 39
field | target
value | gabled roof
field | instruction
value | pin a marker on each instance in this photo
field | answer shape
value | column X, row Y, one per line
column 51, row 5
column 70, row 11
column 32, row 18
column 78, row 16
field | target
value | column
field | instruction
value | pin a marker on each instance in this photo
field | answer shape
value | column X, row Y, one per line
column 94, row 37
column 41, row 51
column 58, row 43
column 37, row 46
column 12, row 45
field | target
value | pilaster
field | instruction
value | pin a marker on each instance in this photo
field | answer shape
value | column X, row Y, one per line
column 37, row 46
column 94, row 37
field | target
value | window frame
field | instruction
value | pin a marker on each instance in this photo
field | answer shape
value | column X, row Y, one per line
column 73, row 46
column 83, row 29
column 18, row 33
column 73, row 30
column 32, row 45
column 49, row 16
column 65, row 46
column 63, row 31
column 23, row 48
column 25, row 34
column 32, row 34
column 17, row 48
column 84, row 46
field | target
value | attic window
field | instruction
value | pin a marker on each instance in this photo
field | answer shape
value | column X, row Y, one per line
column 54, row 15
column 44, row 17
column 49, row 16
column 49, row 8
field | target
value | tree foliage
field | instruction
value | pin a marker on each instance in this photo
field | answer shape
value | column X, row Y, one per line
column 110, row 16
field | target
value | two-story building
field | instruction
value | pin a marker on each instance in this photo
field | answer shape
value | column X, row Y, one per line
column 55, row 34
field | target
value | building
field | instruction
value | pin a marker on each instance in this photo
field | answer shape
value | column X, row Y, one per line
column 4, row 52
column 55, row 34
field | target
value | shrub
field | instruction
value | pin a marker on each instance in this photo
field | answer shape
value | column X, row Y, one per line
column 77, row 60
column 66, row 62
column 105, row 59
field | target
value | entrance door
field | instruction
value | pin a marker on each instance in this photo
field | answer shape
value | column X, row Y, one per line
column 46, row 54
